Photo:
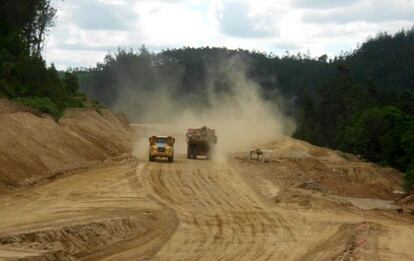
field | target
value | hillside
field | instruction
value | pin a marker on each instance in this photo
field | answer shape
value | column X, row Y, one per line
column 34, row 147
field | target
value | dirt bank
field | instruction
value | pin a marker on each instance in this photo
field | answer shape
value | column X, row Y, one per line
column 33, row 146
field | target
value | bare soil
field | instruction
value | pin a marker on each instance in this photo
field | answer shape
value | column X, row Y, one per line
column 34, row 147
column 287, row 209
column 310, row 167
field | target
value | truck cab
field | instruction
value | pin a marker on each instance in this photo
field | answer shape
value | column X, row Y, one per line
column 161, row 147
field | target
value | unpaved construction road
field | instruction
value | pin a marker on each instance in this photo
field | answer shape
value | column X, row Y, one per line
column 192, row 210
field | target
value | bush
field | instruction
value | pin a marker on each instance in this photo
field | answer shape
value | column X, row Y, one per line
column 74, row 102
column 41, row 104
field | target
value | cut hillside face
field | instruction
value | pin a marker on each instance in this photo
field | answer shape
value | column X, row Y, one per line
column 33, row 146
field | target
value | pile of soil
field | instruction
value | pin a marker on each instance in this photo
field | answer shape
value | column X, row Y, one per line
column 351, row 179
column 33, row 146
column 303, row 165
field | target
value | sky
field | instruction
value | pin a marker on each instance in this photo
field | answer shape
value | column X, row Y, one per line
column 86, row 30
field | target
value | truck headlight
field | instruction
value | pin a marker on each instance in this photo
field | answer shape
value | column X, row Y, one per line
column 154, row 148
column 169, row 149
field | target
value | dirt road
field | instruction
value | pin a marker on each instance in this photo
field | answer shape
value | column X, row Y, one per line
column 189, row 210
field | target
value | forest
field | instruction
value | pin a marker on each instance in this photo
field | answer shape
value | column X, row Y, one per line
column 24, row 75
column 360, row 102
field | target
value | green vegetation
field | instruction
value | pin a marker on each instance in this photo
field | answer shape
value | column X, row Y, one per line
column 24, row 76
column 42, row 104
column 383, row 135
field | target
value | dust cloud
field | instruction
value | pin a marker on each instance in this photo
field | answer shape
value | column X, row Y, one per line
column 242, row 118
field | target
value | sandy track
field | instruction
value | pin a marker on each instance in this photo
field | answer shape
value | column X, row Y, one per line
column 189, row 210
column 220, row 216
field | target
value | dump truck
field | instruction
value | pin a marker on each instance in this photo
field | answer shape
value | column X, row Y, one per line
column 200, row 142
column 161, row 147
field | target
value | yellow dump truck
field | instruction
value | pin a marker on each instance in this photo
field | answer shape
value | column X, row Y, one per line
column 161, row 147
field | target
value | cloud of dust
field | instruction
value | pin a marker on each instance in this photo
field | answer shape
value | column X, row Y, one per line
column 242, row 118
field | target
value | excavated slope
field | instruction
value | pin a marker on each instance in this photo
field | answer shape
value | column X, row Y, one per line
column 33, row 146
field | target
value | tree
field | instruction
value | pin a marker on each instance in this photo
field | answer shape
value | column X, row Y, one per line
column 70, row 82
column 43, row 21
column 24, row 75
column 376, row 135
column 28, row 20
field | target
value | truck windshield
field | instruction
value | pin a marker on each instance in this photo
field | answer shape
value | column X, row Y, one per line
column 161, row 140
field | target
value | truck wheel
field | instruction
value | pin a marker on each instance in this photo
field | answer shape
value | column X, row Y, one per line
column 171, row 159
column 150, row 158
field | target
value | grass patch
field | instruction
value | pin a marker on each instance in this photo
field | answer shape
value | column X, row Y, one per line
column 42, row 104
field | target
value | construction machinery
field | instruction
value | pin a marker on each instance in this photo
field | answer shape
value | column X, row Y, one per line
column 161, row 147
column 200, row 142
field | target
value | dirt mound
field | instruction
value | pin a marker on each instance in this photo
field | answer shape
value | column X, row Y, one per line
column 286, row 147
column 306, row 166
column 351, row 179
column 34, row 146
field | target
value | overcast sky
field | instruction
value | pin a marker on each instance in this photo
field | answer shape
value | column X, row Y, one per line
column 86, row 30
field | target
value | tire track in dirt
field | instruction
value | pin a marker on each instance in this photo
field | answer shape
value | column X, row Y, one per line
column 220, row 217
